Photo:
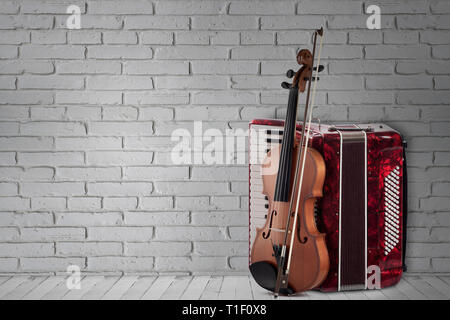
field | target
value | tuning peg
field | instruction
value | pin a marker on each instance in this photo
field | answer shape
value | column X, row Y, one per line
column 321, row 67
column 290, row 73
column 285, row 85
column 313, row 78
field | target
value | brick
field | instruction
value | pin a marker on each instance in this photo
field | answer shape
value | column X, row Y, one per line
column 51, row 158
column 142, row 218
column 191, row 188
column 409, row 6
column 156, row 203
column 9, row 7
column 8, row 188
column 435, row 203
column 225, row 219
column 45, row 37
column 191, row 52
column 84, row 203
column 160, row 249
column 8, row 52
column 189, row 233
column 88, row 218
column 86, row 97
column 120, row 113
column 399, row 82
column 88, row 174
column 217, row 264
column 156, row 37
column 434, row 37
column 26, row 22
column 290, row 37
column 53, row 128
column 119, row 189
column 190, row 7
column 14, row 36
column 14, row 203
column 191, row 82
column 360, row 98
column 7, row 158
column 396, row 52
column 120, row 233
column 192, row 203
column 120, row 37
column 123, row 203
column 121, row 128
column 238, row 233
column 258, row 37
column 441, row 189
column 229, row 97
column 26, row 219
column 120, row 264
column 365, row 37
column 423, row 97
column 38, row 7
column 52, row 234
column 52, row 188
column 326, row 7
column 52, row 51
column 120, row 8
column 262, row 52
column 152, row 173
column 88, row 143
column 356, row 22
column 9, row 234
column 223, row 23
column 119, row 82
column 49, row 264
column 342, row 52
column 25, row 143
column 51, row 82
column 84, row 37
column 224, row 67
column 262, row 8
column 88, row 67
column 423, row 22
column 361, row 67
column 38, row 113
column 290, row 22
column 401, row 37
column 91, row 21
column 119, row 52
column 220, row 248
column 440, row 7
column 155, row 113
column 88, row 248
column 156, row 67
column 9, row 128
column 440, row 264
column 219, row 173
column 146, row 98
column 224, row 38
column 442, row 158
column 48, row 203
column 156, row 22
column 26, row 66
column 104, row 158
column 26, row 249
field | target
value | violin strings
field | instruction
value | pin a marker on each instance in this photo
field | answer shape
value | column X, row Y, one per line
column 303, row 153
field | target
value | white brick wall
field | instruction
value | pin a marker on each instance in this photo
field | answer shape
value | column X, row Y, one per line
column 86, row 117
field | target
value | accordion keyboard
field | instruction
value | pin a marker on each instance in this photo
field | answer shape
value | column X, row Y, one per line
column 261, row 140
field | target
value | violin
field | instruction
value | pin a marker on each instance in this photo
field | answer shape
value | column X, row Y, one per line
column 289, row 254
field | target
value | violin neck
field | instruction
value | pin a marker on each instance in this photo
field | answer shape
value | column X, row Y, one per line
column 282, row 187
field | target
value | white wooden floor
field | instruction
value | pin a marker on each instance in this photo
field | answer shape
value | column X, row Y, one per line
column 201, row 287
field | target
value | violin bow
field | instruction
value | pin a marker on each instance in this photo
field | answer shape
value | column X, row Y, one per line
column 283, row 275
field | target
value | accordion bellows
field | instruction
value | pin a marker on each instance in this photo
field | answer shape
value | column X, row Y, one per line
column 362, row 211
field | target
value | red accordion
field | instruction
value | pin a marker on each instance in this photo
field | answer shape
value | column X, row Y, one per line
column 363, row 208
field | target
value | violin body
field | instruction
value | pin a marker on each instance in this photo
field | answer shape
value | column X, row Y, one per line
column 310, row 261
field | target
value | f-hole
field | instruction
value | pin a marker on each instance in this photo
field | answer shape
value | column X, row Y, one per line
column 266, row 235
column 302, row 241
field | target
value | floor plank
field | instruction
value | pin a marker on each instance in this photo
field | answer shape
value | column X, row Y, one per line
column 408, row 290
column 25, row 287
column 259, row 293
column 176, row 288
column 427, row 290
column 57, row 292
column 99, row 289
column 87, row 283
column 356, row 295
column 438, row 284
column 195, row 288
column 158, row 287
column 43, row 288
column 394, row 293
column 317, row 295
column 212, row 288
column 119, row 288
column 337, row 296
column 375, row 294
column 235, row 287
column 138, row 289
column 10, row 285
column 4, row 279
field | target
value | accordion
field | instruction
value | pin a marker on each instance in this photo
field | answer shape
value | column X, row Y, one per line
column 363, row 209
